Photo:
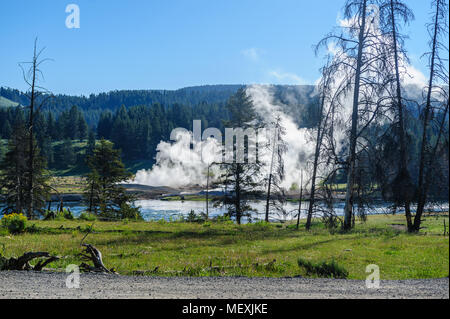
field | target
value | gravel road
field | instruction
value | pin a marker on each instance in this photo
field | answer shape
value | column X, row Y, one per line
column 15, row 284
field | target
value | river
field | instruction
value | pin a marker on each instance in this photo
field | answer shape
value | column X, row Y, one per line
column 154, row 209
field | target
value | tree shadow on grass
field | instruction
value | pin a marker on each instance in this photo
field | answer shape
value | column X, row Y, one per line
column 218, row 237
column 304, row 246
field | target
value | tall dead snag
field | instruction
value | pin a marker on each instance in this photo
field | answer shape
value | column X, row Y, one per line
column 23, row 262
column 276, row 170
column 38, row 96
column 92, row 254
column 438, row 31
column 300, row 200
column 393, row 13
column 356, row 91
column 358, row 63
column 324, row 88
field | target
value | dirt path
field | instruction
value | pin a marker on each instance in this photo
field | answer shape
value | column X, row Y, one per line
column 52, row 285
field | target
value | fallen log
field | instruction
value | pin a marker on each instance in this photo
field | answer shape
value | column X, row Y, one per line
column 92, row 254
column 23, row 262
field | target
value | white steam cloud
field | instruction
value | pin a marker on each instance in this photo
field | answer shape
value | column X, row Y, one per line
column 178, row 165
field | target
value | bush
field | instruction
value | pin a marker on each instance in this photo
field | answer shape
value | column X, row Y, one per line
column 15, row 223
column 65, row 214
column 86, row 216
column 192, row 217
column 223, row 219
column 324, row 269
column 129, row 212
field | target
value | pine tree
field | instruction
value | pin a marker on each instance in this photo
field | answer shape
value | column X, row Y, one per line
column 103, row 193
column 240, row 180
column 15, row 175
column 82, row 127
column 90, row 144
column 64, row 154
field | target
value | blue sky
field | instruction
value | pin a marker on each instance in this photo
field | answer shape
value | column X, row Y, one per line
column 169, row 44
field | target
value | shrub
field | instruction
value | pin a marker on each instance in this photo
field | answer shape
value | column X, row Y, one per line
column 223, row 219
column 192, row 217
column 129, row 212
column 67, row 214
column 87, row 216
column 324, row 269
column 15, row 223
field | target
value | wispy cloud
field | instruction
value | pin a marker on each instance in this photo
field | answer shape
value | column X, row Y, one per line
column 286, row 78
column 253, row 54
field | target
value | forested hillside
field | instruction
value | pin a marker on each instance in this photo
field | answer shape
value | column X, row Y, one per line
column 136, row 121
column 94, row 104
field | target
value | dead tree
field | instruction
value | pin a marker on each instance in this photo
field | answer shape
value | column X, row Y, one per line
column 92, row 254
column 438, row 31
column 300, row 200
column 324, row 88
column 359, row 62
column 356, row 91
column 392, row 14
column 276, row 170
column 23, row 262
column 38, row 96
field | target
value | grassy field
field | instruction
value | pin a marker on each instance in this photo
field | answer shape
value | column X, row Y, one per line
column 181, row 248
column 68, row 184
column 194, row 198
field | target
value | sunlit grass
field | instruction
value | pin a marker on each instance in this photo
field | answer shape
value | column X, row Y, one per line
column 248, row 250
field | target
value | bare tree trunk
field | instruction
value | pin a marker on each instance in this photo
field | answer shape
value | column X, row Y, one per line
column 270, row 176
column 268, row 198
column 30, row 189
column 421, row 205
column 238, row 195
column 423, row 156
column 300, row 201
column 91, row 198
column 403, row 169
column 207, row 193
column 312, row 193
column 348, row 209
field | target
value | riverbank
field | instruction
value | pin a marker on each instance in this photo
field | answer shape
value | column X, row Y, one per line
column 71, row 188
column 225, row 249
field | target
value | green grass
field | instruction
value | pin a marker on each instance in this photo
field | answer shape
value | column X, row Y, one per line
column 249, row 250
column 323, row 269
column 68, row 184
column 194, row 198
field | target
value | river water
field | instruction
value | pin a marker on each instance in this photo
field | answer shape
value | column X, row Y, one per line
column 154, row 209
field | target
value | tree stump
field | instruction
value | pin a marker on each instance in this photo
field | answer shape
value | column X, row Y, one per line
column 91, row 253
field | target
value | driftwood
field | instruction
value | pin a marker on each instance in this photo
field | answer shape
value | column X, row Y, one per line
column 23, row 262
column 90, row 253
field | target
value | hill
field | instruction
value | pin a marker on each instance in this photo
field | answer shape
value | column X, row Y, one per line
column 4, row 102
column 94, row 104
